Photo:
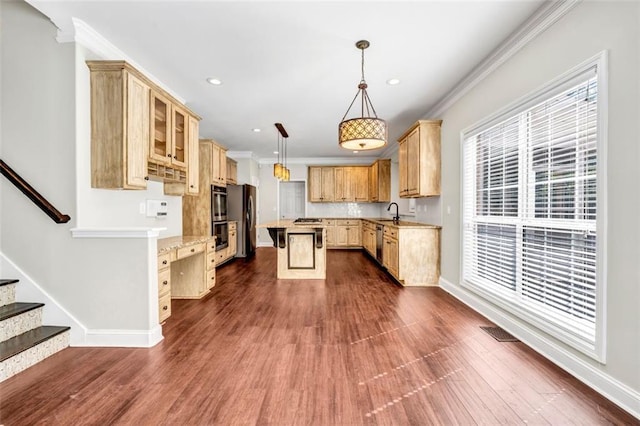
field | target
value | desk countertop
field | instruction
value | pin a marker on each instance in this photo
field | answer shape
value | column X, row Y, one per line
column 170, row 243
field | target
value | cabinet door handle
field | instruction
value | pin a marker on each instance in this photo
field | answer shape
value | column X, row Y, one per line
column 165, row 282
column 146, row 178
column 175, row 156
column 164, row 262
column 192, row 250
column 190, row 186
column 165, row 307
column 169, row 155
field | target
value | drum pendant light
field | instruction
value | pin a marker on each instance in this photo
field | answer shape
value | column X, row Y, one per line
column 365, row 132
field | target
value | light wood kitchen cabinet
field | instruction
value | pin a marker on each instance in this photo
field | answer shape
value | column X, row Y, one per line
column 419, row 160
column 369, row 237
column 232, row 171
column 390, row 255
column 412, row 255
column 331, row 232
column 192, row 186
column 164, row 287
column 169, row 132
column 321, row 184
column 196, row 210
column 348, row 233
column 344, row 188
column 232, row 249
column 360, row 183
column 138, row 131
column 350, row 183
column 219, row 165
column 211, row 264
column 119, row 128
column 380, row 181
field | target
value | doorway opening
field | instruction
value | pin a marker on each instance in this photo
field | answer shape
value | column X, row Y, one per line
column 292, row 203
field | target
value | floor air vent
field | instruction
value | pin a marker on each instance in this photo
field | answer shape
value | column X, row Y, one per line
column 499, row 334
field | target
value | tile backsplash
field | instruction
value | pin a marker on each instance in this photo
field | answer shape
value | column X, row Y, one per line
column 346, row 209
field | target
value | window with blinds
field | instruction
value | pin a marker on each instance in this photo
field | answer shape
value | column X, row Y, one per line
column 530, row 207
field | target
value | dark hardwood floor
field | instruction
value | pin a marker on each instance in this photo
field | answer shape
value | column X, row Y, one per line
column 354, row 349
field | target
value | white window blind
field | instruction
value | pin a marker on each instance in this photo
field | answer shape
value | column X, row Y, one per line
column 530, row 209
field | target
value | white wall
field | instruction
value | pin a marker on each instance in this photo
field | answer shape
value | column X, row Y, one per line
column 103, row 286
column 585, row 31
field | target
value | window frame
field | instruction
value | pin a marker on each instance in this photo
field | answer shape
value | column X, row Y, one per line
column 596, row 351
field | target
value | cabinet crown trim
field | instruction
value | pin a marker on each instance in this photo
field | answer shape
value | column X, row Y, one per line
column 125, row 66
column 416, row 124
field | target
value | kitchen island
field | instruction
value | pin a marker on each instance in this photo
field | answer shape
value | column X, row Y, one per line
column 302, row 248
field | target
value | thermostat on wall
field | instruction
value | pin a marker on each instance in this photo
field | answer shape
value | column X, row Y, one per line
column 157, row 208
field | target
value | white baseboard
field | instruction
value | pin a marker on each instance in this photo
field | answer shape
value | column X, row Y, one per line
column 265, row 244
column 123, row 338
column 619, row 393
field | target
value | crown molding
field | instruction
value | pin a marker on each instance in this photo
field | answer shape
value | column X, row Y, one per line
column 235, row 155
column 83, row 34
column 320, row 161
column 544, row 17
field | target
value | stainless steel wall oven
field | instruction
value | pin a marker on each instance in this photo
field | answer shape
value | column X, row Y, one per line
column 218, row 203
column 221, row 232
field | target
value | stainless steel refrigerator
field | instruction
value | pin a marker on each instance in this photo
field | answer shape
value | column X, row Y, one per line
column 241, row 207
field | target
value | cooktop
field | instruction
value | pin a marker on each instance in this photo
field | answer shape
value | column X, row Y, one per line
column 307, row 220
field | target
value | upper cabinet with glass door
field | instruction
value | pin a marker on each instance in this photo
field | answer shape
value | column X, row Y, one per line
column 169, row 132
column 160, row 131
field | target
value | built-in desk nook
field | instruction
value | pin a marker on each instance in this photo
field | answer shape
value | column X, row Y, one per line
column 302, row 248
column 186, row 270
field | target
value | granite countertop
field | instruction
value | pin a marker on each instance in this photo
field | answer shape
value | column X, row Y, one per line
column 170, row 243
column 288, row 223
column 400, row 223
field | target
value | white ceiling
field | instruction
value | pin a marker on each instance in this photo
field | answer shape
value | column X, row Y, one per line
column 295, row 62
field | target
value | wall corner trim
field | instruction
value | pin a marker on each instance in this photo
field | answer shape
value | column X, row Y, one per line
column 616, row 391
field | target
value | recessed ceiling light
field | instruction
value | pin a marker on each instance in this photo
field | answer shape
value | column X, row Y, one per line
column 276, row 152
column 393, row 81
column 355, row 152
column 214, row 81
column 256, row 130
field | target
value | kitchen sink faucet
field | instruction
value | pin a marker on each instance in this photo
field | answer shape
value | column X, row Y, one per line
column 396, row 218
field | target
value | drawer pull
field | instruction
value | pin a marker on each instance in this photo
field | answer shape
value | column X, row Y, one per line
column 165, row 307
column 192, row 250
column 164, row 262
column 165, row 282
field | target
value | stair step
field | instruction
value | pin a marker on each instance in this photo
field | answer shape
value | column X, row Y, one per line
column 14, row 309
column 7, row 292
column 7, row 282
column 27, row 340
column 18, row 318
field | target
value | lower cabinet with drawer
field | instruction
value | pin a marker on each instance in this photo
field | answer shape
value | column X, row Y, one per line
column 164, row 286
column 344, row 233
column 211, row 264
